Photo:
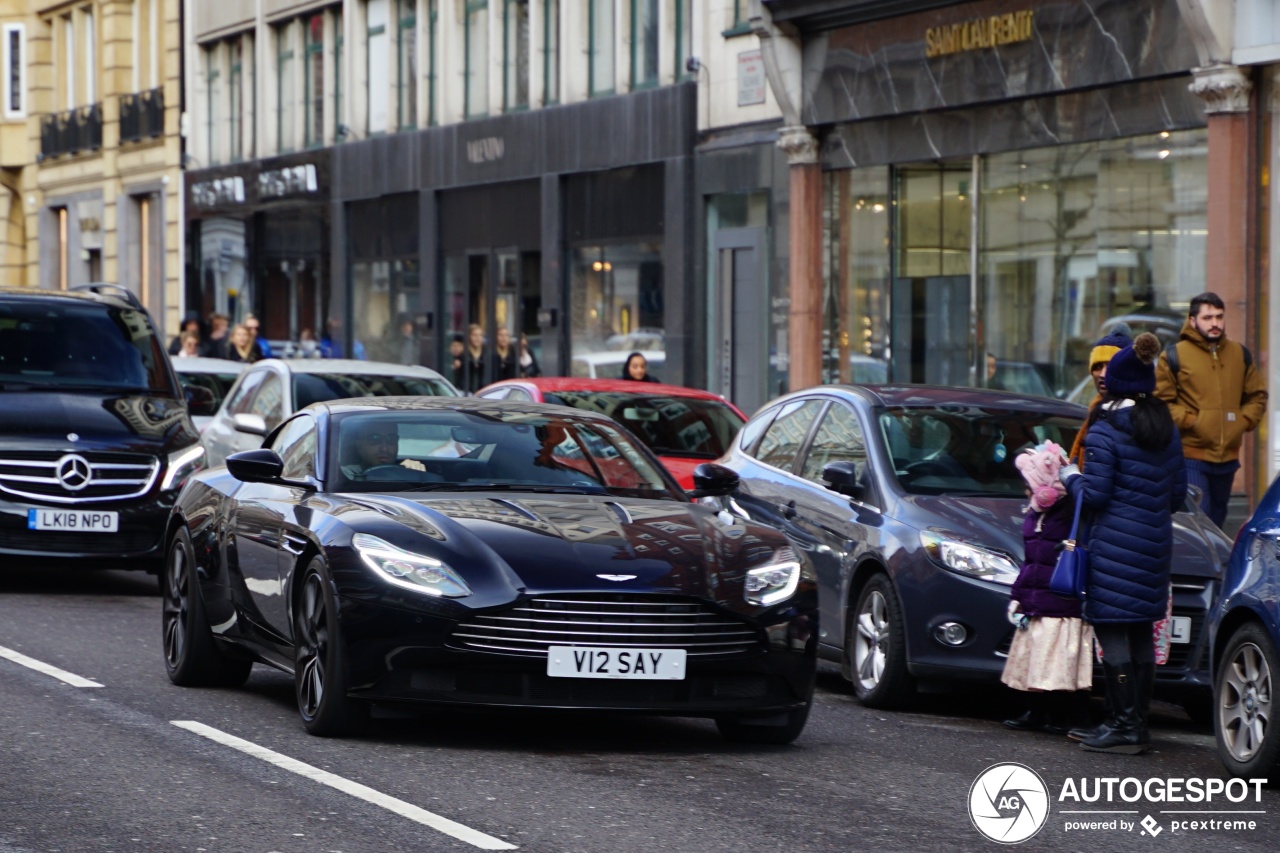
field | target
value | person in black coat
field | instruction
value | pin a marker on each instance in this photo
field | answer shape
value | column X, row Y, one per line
column 636, row 368
column 1132, row 480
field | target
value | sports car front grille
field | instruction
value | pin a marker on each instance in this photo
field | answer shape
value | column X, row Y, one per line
column 33, row 474
column 621, row 620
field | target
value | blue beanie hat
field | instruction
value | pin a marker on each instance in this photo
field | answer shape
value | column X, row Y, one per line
column 1132, row 371
column 1109, row 344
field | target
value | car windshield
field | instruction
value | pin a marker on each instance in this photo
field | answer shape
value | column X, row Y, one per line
column 69, row 344
column 670, row 426
column 311, row 388
column 966, row 450
column 217, row 384
column 489, row 451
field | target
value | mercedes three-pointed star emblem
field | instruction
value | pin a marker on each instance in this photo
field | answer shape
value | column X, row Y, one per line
column 73, row 472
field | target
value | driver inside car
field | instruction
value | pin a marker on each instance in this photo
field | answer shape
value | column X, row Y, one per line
column 375, row 444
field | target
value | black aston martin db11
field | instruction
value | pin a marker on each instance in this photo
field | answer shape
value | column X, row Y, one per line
column 416, row 551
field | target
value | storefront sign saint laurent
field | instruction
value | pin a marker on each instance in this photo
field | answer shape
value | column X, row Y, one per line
column 291, row 180
column 979, row 33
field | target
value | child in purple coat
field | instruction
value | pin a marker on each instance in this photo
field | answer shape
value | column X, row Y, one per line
column 1050, row 658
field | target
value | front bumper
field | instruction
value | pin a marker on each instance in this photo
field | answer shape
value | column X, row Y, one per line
column 138, row 539
column 403, row 657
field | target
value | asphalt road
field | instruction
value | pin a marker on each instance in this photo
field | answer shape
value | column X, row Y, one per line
column 105, row 768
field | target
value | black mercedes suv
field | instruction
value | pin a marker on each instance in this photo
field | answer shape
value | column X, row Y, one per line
column 95, row 439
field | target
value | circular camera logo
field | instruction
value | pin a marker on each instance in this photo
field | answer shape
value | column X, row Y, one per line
column 1008, row 803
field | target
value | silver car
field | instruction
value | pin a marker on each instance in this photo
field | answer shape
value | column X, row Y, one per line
column 273, row 389
column 206, row 382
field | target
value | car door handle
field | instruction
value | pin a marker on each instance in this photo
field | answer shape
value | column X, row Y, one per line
column 789, row 511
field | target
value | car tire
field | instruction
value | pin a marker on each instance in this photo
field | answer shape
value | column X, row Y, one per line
column 1247, row 733
column 191, row 654
column 780, row 732
column 875, row 645
column 321, row 671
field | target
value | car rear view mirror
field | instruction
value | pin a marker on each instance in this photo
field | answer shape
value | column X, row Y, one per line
column 711, row 481
column 468, row 435
column 635, row 413
column 843, row 477
column 249, row 423
column 255, row 466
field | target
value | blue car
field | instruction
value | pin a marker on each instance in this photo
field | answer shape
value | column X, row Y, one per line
column 1245, row 627
column 908, row 503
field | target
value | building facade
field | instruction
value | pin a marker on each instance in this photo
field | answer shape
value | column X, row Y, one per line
column 388, row 174
column 1010, row 179
column 91, row 147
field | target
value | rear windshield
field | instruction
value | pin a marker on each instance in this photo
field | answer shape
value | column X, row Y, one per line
column 311, row 388
column 671, row 426
column 81, row 345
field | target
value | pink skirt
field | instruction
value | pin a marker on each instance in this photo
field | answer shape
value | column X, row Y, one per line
column 1051, row 653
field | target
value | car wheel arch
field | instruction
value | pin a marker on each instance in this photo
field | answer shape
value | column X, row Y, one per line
column 1235, row 619
column 862, row 573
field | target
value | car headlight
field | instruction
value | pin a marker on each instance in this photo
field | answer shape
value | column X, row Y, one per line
column 181, row 465
column 775, row 582
column 969, row 559
column 407, row 569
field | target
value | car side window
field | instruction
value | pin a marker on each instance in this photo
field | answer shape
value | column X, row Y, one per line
column 269, row 401
column 519, row 395
column 782, row 440
column 839, row 439
column 296, row 447
column 753, row 429
column 243, row 396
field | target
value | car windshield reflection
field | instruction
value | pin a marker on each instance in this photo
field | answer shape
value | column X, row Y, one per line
column 671, row 426
column 965, row 450
column 495, row 451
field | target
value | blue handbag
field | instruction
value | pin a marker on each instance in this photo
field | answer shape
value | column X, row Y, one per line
column 1070, row 577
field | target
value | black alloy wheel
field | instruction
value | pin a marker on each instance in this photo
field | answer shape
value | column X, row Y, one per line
column 875, row 647
column 191, row 654
column 1244, row 704
column 321, row 677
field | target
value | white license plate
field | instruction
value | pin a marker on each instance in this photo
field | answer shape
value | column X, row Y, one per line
column 1180, row 629
column 79, row 520
column 642, row 664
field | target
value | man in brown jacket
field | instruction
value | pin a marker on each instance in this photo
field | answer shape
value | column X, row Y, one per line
column 1215, row 395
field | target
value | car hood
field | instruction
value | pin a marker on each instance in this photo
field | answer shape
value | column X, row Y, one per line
column 996, row 523
column 133, row 423
column 589, row 543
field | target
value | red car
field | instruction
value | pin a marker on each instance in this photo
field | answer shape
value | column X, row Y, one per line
column 683, row 426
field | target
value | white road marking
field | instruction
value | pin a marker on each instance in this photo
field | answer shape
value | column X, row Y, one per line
column 346, row 786
column 39, row 666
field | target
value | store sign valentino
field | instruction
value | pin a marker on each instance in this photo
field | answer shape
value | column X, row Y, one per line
column 979, row 33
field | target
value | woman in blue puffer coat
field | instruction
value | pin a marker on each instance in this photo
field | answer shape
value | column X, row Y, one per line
column 1133, row 478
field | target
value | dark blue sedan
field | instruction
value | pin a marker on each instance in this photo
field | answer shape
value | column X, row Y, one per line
column 907, row 500
column 1245, row 627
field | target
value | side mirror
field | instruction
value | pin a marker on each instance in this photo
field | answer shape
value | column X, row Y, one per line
column 1195, row 494
column 200, row 400
column 252, row 424
column 255, row 466
column 843, row 477
column 711, row 481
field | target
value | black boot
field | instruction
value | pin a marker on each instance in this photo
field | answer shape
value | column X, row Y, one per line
column 1069, row 713
column 1146, row 673
column 1033, row 719
column 1124, row 732
column 1108, row 711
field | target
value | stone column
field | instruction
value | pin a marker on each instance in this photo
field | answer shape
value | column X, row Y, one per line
column 805, row 327
column 1225, row 91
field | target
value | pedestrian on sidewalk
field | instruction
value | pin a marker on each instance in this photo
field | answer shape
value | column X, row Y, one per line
column 1108, row 345
column 1132, row 481
column 1051, row 657
column 1215, row 395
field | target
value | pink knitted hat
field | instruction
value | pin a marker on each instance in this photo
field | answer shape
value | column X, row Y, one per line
column 1039, row 466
